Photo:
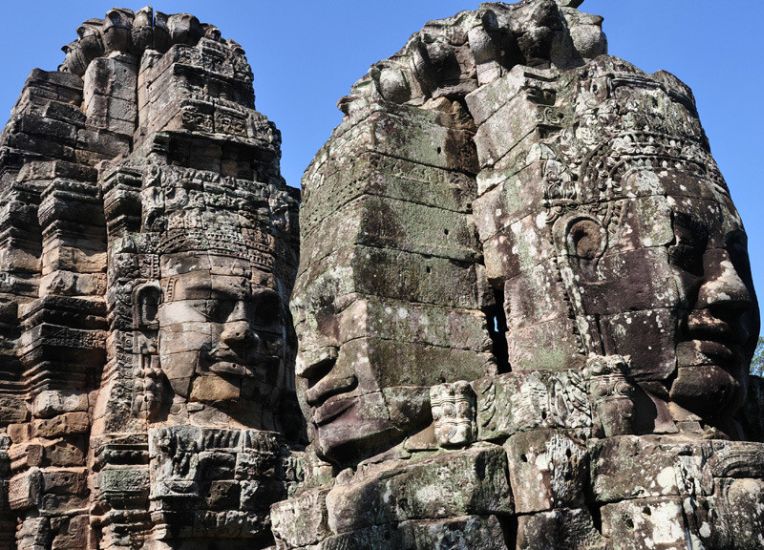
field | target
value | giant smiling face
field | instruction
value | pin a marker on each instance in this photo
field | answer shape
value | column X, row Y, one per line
column 220, row 330
column 639, row 239
column 671, row 287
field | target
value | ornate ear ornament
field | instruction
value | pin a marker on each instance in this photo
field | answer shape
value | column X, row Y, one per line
column 146, row 299
column 580, row 236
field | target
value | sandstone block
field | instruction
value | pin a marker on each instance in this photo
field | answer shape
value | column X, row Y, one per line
column 547, row 469
column 465, row 482
column 302, row 520
column 561, row 528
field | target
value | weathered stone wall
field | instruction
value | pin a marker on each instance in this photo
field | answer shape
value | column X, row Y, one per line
column 522, row 297
column 149, row 249
column 551, row 220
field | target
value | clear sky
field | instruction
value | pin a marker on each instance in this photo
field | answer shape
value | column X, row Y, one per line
column 305, row 55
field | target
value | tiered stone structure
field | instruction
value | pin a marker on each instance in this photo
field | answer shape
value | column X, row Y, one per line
column 523, row 303
column 524, row 307
column 148, row 250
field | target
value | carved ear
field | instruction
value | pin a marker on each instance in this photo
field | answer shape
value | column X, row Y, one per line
column 146, row 298
column 581, row 237
column 586, row 239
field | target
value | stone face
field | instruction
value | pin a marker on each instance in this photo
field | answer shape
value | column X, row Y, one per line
column 516, row 244
column 518, row 315
column 453, row 413
column 149, row 249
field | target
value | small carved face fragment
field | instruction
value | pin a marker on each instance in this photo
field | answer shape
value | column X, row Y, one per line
column 453, row 413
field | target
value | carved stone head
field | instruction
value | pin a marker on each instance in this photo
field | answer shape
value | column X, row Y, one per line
column 387, row 301
column 221, row 328
column 220, row 322
column 117, row 29
column 364, row 365
column 618, row 236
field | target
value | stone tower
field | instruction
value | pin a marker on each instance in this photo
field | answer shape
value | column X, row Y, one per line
column 519, row 313
column 531, row 324
column 148, row 250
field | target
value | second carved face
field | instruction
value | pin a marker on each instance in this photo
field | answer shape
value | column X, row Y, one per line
column 221, row 330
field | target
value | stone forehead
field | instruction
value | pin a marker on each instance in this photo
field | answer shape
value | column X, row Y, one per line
column 199, row 261
column 203, row 285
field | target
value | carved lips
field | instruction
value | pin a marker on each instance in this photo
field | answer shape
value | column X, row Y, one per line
column 332, row 409
column 323, row 396
column 713, row 344
column 714, row 340
column 222, row 360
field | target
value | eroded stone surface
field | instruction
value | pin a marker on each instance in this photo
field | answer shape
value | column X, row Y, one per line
column 522, row 296
column 530, row 248
column 149, row 250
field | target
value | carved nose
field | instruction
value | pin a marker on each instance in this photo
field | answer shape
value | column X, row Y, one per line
column 725, row 289
column 236, row 332
column 314, row 365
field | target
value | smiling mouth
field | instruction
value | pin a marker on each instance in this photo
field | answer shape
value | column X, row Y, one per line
column 329, row 386
column 707, row 350
column 716, row 340
column 330, row 397
column 332, row 409
column 722, row 351
column 242, row 366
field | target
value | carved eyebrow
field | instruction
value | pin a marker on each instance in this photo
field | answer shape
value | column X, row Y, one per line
column 697, row 231
column 201, row 285
column 201, row 288
column 230, row 293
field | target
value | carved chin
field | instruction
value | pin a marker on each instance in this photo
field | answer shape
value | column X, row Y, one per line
column 346, row 432
column 348, row 439
column 354, row 428
column 707, row 390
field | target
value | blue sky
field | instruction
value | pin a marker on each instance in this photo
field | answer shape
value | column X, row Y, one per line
column 306, row 54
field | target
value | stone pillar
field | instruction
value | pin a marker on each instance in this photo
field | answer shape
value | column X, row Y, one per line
column 88, row 216
column 110, row 96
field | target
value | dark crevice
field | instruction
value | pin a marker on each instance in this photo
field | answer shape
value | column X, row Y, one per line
column 596, row 514
column 497, row 329
column 509, row 527
column 595, row 509
column 604, row 348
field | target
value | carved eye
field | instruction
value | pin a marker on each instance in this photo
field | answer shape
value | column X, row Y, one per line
column 691, row 242
column 219, row 311
column 267, row 306
column 688, row 258
column 737, row 247
column 585, row 239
